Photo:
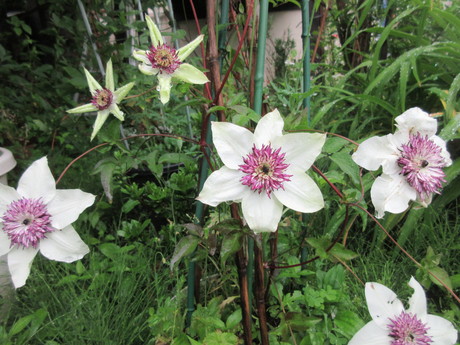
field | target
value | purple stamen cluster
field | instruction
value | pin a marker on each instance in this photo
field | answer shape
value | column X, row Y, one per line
column 164, row 58
column 26, row 222
column 421, row 164
column 407, row 329
column 102, row 99
column 264, row 169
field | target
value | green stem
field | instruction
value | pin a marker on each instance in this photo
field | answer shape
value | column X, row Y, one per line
column 306, row 57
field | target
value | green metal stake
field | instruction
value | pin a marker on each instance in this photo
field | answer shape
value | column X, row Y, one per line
column 260, row 63
column 306, row 55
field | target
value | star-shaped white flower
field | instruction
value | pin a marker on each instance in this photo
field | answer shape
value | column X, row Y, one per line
column 166, row 62
column 392, row 325
column 412, row 160
column 264, row 170
column 37, row 217
column 105, row 100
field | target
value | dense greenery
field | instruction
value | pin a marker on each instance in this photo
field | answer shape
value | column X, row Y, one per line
column 132, row 287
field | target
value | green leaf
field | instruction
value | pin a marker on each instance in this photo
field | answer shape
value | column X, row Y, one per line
column 452, row 96
column 219, row 338
column 441, row 274
column 231, row 243
column 450, row 131
column 348, row 323
column 185, row 247
column 347, row 165
column 234, row 319
column 176, row 158
column 19, row 325
column 129, row 205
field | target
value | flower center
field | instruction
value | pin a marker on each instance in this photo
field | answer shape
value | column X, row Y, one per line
column 421, row 163
column 407, row 329
column 102, row 99
column 26, row 222
column 164, row 58
column 264, row 169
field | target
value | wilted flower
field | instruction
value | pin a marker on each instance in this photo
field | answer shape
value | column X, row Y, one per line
column 37, row 217
column 264, row 170
column 166, row 62
column 392, row 325
column 105, row 99
column 412, row 160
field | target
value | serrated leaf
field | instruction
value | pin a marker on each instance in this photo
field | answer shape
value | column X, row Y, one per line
column 220, row 338
column 185, row 247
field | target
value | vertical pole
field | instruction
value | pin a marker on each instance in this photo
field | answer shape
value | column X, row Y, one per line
column 306, row 53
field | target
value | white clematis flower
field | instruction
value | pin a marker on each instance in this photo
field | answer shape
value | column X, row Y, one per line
column 37, row 217
column 392, row 325
column 264, row 170
column 105, row 99
column 412, row 160
column 166, row 62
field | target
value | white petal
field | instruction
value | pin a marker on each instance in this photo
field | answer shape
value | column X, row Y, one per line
column 147, row 69
column 268, row 128
column 382, row 303
column 301, row 149
column 415, row 120
column 232, row 142
column 19, row 263
column 441, row 330
column 444, row 153
column 4, row 242
column 372, row 152
column 301, row 193
column 100, row 119
column 109, row 83
column 391, row 194
column 7, row 196
column 141, row 55
column 223, row 185
column 37, row 181
column 67, row 205
column 186, row 50
column 261, row 212
column 155, row 35
column 417, row 303
column 115, row 110
column 123, row 91
column 190, row 74
column 63, row 245
column 85, row 108
column 164, row 85
column 92, row 83
column 371, row 334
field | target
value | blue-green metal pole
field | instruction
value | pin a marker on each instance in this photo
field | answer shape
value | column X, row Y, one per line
column 306, row 55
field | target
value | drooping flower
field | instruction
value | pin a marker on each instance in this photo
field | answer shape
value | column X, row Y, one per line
column 104, row 100
column 412, row 161
column 264, row 170
column 166, row 62
column 37, row 217
column 392, row 325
